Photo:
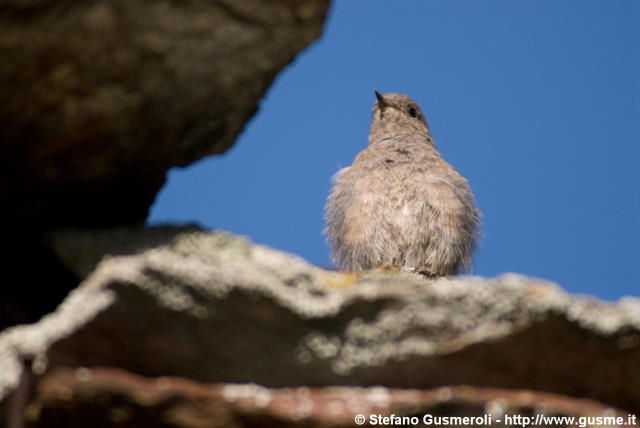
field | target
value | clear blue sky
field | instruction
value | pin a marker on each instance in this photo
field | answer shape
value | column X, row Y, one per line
column 536, row 103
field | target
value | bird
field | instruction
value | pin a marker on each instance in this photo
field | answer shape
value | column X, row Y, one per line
column 400, row 205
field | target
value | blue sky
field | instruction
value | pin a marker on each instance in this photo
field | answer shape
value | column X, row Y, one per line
column 536, row 103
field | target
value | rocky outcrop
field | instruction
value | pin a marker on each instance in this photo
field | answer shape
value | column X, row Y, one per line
column 215, row 309
column 68, row 397
column 101, row 98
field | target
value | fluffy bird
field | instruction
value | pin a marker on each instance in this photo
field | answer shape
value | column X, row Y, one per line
column 400, row 205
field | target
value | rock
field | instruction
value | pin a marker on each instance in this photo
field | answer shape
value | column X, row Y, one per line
column 67, row 397
column 213, row 308
column 101, row 98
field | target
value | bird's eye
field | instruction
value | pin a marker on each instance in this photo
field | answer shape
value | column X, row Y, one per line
column 412, row 112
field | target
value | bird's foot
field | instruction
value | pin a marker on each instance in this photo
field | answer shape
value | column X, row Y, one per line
column 388, row 268
column 427, row 273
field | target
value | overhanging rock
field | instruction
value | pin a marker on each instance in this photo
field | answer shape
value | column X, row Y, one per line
column 101, row 98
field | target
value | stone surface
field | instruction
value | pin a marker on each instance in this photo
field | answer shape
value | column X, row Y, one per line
column 213, row 308
column 68, row 397
column 101, row 98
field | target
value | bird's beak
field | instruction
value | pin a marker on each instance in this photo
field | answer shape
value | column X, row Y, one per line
column 381, row 102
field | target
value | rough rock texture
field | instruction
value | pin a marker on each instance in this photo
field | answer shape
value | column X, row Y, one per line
column 213, row 308
column 100, row 98
column 69, row 398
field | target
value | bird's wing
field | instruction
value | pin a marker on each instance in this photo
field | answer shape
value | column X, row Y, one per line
column 338, row 175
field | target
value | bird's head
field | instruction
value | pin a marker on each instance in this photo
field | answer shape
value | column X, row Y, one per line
column 395, row 115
